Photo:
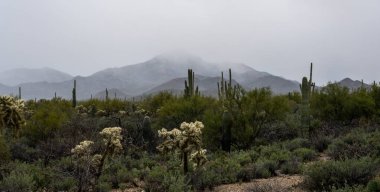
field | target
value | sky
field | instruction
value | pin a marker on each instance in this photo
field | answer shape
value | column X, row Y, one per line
column 282, row 37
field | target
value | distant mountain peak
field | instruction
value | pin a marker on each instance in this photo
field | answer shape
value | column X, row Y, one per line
column 347, row 79
column 17, row 76
column 352, row 84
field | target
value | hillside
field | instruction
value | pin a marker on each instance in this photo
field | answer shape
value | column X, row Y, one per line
column 24, row 75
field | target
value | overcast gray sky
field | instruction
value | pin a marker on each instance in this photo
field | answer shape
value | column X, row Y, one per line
column 342, row 37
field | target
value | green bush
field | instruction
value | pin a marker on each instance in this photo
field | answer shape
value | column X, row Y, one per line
column 247, row 173
column 297, row 143
column 20, row 178
column 63, row 183
column 355, row 145
column 265, row 168
column 274, row 153
column 5, row 153
column 321, row 143
column 160, row 178
column 293, row 166
column 358, row 188
column 63, row 175
column 374, row 185
column 215, row 172
column 304, row 154
column 242, row 157
column 326, row 175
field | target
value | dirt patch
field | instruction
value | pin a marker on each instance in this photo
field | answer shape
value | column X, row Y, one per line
column 273, row 184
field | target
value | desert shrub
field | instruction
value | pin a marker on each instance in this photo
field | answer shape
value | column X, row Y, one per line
column 247, row 173
column 61, row 183
column 337, row 103
column 179, row 110
column 297, row 143
column 321, row 143
column 265, row 168
column 22, row 151
column 63, row 178
column 115, row 173
column 355, row 145
column 374, row 185
column 274, row 153
column 160, row 178
column 359, row 188
column 293, row 166
column 48, row 117
column 104, row 187
column 5, row 153
column 21, row 177
column 215, row 172
column 305, row 154
column 279, row 130
column 242, row 157
column 326, row 175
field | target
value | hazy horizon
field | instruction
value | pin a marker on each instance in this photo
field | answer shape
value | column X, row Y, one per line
column 282, row 37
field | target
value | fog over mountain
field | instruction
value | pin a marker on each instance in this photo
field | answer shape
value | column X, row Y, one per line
column 163, row 72
column 25, row 75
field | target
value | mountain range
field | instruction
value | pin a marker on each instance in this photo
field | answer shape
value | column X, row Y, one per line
column 18, row 76
column 164, row 72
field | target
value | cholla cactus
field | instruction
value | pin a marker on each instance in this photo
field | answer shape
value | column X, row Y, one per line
column 11, row 113
column 187, row 140
column 81, row 109
column 82, row 154
column 96, row 160
column 88, row 163
column 101, row 113
column 198, row 157
column 112, row 138
column 169, row 139
column 84, row 148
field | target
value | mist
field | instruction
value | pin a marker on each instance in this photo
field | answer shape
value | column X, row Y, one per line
column 282, row 37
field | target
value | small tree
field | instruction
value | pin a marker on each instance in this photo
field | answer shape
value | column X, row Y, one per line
column 186, row 140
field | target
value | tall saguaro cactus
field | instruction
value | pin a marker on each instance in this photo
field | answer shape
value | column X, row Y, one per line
column 227, row 122
column 226, row 91
column 230, row 97
column 106, row 94
column 190, row 83
column 307, row 86
column 19, row 92
column 148, row 134
column 75, row 94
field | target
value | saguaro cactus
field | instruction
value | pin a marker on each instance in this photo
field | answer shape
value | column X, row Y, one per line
column 307, row 87
column 227, row 92
column 106, row 94
column 226, row 130
column 189, row 84
column 19, row 92
column 148, row 134
column 75, row 94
